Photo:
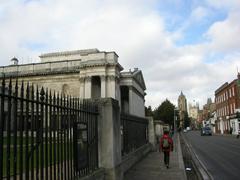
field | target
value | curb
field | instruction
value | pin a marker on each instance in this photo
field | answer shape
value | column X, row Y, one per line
column 180, row 157
column 200, row 168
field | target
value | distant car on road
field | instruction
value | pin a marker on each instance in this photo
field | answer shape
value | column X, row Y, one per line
column 206, row 131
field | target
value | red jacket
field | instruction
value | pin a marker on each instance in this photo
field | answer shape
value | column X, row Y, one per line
column 170, row 141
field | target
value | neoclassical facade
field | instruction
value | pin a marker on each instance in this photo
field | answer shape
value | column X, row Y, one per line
column 86, row 74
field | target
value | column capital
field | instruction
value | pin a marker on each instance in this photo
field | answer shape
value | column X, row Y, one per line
column 88, row 78
column 103, row 77
column 81, row 79
column 113, row 78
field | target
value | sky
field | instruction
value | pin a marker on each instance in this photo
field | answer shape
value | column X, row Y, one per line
column 191, row 46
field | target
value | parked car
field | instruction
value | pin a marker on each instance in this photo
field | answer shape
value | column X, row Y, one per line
column 206, row 131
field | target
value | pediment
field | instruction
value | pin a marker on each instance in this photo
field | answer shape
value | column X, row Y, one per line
column 138, row 76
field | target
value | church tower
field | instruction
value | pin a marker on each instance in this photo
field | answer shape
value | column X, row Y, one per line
column 182, row 106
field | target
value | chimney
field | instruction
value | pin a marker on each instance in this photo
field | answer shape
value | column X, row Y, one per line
column 14, row 61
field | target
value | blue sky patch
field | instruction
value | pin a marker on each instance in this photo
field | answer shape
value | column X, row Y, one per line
column 177, row 16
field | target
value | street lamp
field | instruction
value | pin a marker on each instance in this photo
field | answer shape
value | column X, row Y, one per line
column 174, row 120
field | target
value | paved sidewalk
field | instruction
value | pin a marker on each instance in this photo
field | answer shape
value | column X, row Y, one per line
column 152, row 166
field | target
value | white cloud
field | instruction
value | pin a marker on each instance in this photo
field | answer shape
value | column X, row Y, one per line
column 199, row 13
column 135, row 30
column 224, row 4
column 224, row 35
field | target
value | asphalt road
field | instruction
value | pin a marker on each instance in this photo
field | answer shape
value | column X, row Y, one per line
column 219, row 154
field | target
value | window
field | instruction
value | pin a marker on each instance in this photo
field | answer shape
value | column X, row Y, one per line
column 96, row 87
column 230, row 92
column 233, row 91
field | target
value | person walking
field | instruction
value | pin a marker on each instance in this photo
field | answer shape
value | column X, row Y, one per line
column 166, row 145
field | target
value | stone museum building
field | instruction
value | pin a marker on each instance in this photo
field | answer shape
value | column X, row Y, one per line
column 86, row 74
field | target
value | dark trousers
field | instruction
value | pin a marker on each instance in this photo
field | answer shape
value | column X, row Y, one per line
column 166, row 157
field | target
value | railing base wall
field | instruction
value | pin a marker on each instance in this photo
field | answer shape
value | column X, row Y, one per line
column 96, row 175
column 132, row 158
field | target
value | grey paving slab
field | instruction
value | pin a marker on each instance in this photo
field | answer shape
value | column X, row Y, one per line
column 152, row 166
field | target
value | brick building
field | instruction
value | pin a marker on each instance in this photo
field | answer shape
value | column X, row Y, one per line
column 227, row 98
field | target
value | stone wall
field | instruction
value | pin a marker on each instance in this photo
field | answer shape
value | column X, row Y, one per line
column 137, row 106
column 68, row 82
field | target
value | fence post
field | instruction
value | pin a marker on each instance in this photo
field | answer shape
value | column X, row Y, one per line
column 109, row 134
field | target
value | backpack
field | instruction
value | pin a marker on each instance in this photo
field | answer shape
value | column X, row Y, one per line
column 165, row 143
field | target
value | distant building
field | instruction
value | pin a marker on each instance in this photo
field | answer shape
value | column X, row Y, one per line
column 227, row 98
column 208, row 113
column 182, row 107
column 208, row 109
column 193, row 109
column 88, row 74
column 200, row 117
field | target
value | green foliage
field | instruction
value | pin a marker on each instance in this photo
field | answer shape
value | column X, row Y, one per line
column 186, row 120
column 165, row 112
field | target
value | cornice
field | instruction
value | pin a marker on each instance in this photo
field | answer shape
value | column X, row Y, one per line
column 65, row 53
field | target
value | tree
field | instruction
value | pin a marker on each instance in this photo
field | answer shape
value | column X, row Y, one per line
column 186, row 120
column 165, row 112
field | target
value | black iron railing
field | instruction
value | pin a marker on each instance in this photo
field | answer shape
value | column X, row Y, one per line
column 45, row 135
column 134, row 132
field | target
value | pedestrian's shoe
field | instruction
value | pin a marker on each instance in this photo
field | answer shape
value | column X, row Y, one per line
column 167, row 166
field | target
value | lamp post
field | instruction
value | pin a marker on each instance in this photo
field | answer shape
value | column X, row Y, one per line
column 174, row 120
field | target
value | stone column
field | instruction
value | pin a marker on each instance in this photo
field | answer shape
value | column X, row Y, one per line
column 88, row 87
column 103, row 87
column 130, row 100
column 117, row 90
column 109, row 138
column 82, row 87
column 111, row 87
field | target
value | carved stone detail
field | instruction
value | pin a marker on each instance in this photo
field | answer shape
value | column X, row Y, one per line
column 81, row 79
column 88, row 78
column 103, row 78
column 111, row 78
